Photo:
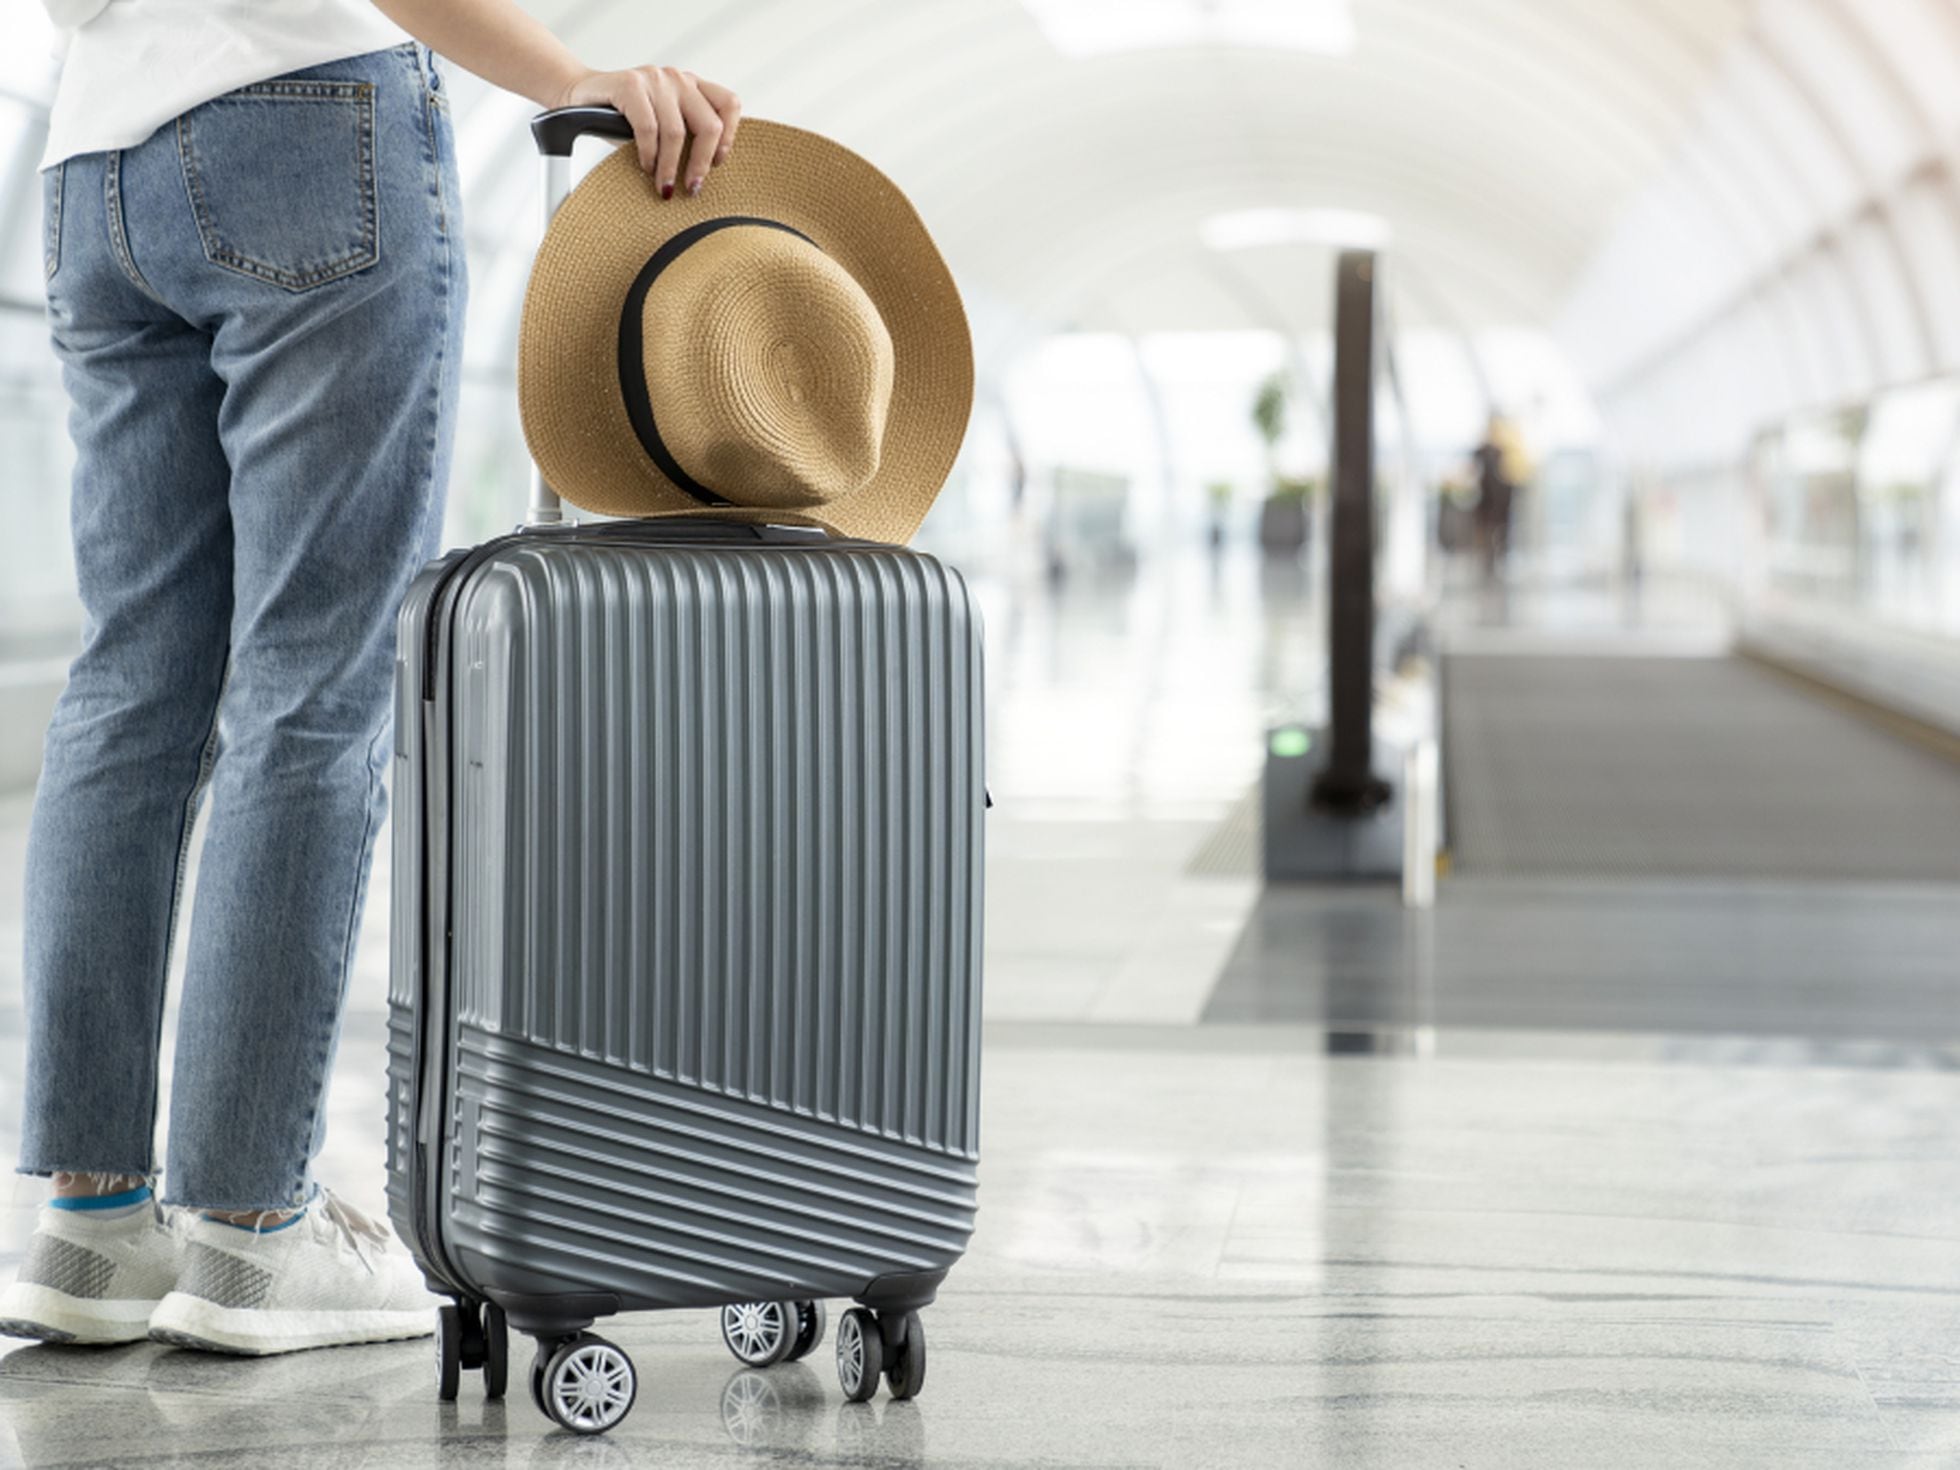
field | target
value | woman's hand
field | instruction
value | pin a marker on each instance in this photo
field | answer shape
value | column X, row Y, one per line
column 665, row 105
column 510, row 48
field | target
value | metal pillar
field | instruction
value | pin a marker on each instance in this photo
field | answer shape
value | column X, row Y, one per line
column 1331, row 803
column 1347, row 784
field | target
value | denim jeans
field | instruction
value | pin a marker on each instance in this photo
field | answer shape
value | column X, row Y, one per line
column 258, row 313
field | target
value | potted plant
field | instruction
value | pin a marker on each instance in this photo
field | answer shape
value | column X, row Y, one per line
column 1283, row 519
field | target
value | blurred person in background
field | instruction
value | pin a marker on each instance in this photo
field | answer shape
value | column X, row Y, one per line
column 1502, row 467
column 255, row 284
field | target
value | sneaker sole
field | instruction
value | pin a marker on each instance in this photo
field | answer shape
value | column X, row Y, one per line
column 43, row 1314
column 253, row 1332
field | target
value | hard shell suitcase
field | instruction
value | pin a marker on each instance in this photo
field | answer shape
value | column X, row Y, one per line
column 685, row 980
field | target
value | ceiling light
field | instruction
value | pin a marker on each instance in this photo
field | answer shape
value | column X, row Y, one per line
column 1243, row 229
column 1099, row 27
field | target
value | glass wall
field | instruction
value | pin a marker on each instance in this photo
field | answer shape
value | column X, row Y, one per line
column 1859, row 508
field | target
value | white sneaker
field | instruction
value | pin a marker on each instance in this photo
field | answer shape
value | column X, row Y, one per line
column 331, row 1277
column 91, row 1278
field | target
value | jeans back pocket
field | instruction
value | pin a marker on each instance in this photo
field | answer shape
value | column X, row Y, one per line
column 281, row 179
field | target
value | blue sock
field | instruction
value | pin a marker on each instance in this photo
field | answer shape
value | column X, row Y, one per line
column 123, row 1203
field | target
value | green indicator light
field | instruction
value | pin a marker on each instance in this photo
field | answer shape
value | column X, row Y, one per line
column 1291, row 741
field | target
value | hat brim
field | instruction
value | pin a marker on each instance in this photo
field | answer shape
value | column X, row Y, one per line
column 568, row 389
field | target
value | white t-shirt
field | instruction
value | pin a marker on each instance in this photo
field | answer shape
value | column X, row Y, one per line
column 130, row 66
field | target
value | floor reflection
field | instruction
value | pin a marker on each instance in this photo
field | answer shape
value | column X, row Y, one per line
column 135, row 1404
column 789, row 1410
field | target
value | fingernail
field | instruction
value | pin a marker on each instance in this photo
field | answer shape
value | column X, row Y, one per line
column 666, row 191
column 695, row 187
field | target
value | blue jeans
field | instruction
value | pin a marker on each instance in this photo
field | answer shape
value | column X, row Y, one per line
column 259, row 315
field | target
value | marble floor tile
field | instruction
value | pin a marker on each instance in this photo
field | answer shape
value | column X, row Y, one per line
column 1208, row 1249
column 1844, row 962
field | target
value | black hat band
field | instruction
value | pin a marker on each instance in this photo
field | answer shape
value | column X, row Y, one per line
column 632, row 365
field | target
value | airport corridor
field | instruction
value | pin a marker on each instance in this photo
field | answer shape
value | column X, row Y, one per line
column 1248, row 707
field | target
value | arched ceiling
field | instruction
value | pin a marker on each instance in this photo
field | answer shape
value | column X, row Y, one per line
column 1725, row 209
column 1497, row 137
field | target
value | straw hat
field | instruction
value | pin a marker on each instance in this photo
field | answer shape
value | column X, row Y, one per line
column 785, row 345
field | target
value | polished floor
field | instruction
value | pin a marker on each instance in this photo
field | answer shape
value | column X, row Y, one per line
column 1220, row 1232
column 1855, row 966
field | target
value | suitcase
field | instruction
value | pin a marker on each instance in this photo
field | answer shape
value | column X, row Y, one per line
column 685, row 970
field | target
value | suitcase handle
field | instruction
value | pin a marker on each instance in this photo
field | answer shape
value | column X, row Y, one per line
column 555, row 132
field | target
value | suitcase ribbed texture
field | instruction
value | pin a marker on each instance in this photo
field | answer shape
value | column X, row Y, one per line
column 715, row 955
column 689, row 1198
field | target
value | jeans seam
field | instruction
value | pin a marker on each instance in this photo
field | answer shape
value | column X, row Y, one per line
column 207, row 759
column 430, row 117
column 313, row 91
column 51, row 244
column 118, row 234
column 321, row 1055
column 367, row 251
column 367, row 836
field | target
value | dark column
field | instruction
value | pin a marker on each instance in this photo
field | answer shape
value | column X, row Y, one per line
column 1347, row 784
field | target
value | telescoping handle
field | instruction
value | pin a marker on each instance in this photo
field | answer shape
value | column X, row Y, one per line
column 555, row 132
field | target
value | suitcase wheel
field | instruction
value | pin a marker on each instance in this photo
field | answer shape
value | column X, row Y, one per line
column 584, row 1383
column 763, row 1334
column 496, row 1352
column 905, row 1371
column 860, row 1355
column 810, row 1320
column 759, row 1334
column 888, row 1345
column 469, row 1337
column 449, row 1353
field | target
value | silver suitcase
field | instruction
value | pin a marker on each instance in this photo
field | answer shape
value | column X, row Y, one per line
column 685, row 981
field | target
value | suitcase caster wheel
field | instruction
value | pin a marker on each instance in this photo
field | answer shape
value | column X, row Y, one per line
column 449, row 1352
column 469, row 1337
column 905, row 1375
column 860, row 1355
column 539, row 1362
column 810, row 1319
column 496, row 1352
column 588, row 1386
column 759, row 1334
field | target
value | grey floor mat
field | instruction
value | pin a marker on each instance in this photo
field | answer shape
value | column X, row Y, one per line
column 1682, row 768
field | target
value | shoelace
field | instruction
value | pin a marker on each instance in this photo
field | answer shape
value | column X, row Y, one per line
column 353, row 1226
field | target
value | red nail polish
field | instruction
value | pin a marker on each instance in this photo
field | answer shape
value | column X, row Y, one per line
column 666, row 191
